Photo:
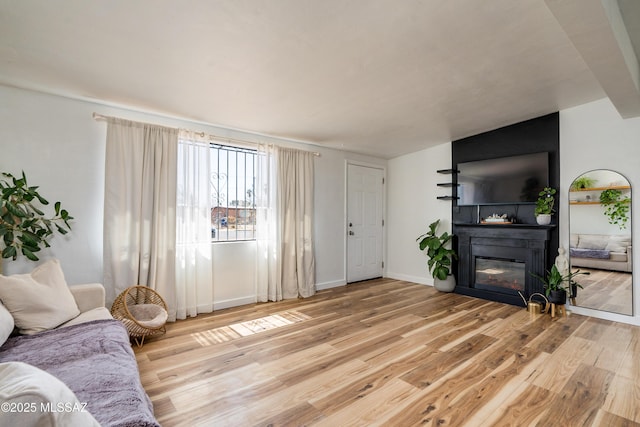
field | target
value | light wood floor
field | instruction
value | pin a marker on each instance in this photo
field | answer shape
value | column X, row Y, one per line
column 392, row 353
column 606, row 290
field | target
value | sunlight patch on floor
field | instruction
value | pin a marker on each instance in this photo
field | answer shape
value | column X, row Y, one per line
column 249, row 327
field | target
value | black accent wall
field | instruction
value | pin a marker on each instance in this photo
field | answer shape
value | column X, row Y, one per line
column 532, row 136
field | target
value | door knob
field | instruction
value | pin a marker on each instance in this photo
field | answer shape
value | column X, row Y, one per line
column 351, row 233
column 350, row 225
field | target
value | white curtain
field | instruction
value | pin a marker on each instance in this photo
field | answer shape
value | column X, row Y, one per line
column 267, row 227
column 194, row 269
column 139, row 209
column 286, row 262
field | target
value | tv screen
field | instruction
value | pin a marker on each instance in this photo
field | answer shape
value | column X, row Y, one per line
column 505, row 180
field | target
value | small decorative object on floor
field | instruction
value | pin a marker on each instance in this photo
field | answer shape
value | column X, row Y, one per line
column 143, row 312
column 535, row 307
column 559, row 309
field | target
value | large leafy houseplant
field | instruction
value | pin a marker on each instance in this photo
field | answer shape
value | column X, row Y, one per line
column 440, row 256
column 616, row 208
column 24, row 228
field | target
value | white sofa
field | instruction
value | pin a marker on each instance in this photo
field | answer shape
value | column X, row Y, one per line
column 601, row 251
column 90, row 299
column 70, row 351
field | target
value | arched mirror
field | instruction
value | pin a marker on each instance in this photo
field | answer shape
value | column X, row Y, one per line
column 600, row 241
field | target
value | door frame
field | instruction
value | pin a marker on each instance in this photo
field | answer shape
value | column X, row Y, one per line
column 345, row 230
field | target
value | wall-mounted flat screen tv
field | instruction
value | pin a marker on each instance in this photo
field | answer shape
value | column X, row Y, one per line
column 505, row 180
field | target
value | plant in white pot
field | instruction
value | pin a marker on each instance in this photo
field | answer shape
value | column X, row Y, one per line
column 440, row 256
column 24, row 228
column 544, row 206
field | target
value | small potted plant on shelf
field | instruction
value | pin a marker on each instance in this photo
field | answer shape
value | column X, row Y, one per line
column 556, row 284
column 439, row 263
column 582, row 182
column 544, row 206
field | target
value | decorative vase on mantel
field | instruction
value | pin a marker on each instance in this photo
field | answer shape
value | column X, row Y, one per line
column 446, row 285
column 543, row 219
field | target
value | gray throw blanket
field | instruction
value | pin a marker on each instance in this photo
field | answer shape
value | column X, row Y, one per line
column 589, row 253
column 96, row 362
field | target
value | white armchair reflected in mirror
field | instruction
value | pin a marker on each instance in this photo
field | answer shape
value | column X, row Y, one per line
column 600, row 241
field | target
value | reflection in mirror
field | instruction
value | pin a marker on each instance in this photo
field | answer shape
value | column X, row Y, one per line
column 600, row 240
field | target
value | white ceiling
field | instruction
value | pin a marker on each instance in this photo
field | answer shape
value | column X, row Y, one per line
column 380, row 77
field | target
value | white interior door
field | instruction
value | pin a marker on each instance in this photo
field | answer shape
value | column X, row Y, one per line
column 364, row 223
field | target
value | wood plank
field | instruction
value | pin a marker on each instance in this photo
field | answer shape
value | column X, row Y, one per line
column 581, row 398
column 560, row 368
column 433, row 406
column 372, row 408
column 605, row 418
column 617, row 401
column 355, row 390
column 437, row 364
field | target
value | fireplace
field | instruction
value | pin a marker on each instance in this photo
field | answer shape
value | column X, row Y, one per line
column 499, row 275
column 495, row 261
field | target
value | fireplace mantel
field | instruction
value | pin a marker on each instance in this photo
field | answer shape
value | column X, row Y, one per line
column 526, row 243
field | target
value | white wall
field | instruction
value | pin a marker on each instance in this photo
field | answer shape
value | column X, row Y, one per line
column 412, row 206
column 61, row 148
column 594, row 136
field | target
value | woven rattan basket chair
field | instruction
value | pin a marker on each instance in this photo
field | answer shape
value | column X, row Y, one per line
column 143, row 312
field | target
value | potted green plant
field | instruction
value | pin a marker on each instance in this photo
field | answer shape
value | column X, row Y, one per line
column 582, row 182
column 556, row 284
column 616, row 208
column 24, row 227
column 544, row 206
column 439, row 262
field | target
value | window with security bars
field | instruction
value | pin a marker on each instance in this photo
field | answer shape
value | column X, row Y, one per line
column 233, row 202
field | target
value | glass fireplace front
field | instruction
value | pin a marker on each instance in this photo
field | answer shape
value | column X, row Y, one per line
column 500, row 275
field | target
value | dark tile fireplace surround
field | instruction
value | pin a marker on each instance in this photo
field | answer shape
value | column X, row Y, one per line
column 495, row 260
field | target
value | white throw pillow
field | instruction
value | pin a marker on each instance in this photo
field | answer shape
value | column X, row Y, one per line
column 593, row 241
column 6, row 324
column 618, row 243
column 573, row 240
column 40, row 300
column 32, row 397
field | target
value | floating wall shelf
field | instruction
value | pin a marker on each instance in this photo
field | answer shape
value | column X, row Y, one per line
column 615, row 187
column 451, row 184
column 595, row 200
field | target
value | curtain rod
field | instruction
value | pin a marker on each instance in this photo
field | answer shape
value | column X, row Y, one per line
column 101, row 118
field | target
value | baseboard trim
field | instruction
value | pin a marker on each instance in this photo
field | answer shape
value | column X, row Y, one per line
column 235, row 302
column 409, row 278
column 329, row 285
